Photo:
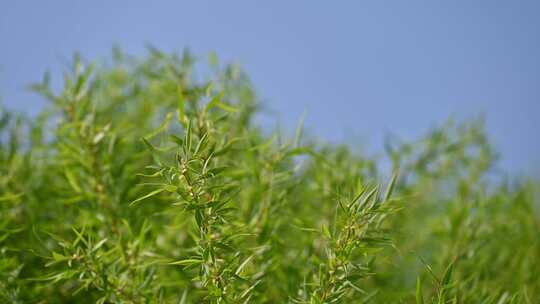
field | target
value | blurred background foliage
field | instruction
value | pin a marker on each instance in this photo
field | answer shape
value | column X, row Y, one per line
column 141, row 183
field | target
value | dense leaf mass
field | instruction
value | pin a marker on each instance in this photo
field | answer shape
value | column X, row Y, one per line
column 142, row 183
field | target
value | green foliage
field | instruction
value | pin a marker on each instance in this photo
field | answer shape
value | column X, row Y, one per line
column 142, row 184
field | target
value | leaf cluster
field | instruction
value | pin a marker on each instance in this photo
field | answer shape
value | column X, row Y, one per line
column 142, row 183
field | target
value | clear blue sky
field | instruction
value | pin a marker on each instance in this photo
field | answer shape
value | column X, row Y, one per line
column 361, row 69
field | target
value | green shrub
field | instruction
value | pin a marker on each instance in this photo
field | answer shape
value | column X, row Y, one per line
column 142, row 184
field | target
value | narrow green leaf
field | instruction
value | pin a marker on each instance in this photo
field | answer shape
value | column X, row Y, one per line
column 58, row 257
column 419, row 294
column 99, row 244
column 181, row 105
column 72, row 181
column 390, row 187
column 10, row 197
column 155, row 192
column 447, row 275
column 244, row 263
column 187, row 139
column 170, row 188
column 186, row 262
column 177, row 140
column 247, row 291
column 201, row 144
column 163, row 127
column 299, row 131
column 183, row 300
column 226, row 107
column 148, row 145
column 216, row 102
